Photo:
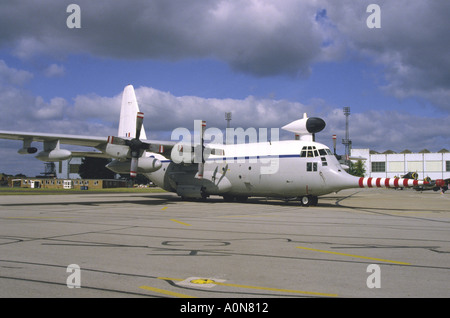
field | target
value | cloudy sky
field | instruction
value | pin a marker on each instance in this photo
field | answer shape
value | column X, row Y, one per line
column 265, row 61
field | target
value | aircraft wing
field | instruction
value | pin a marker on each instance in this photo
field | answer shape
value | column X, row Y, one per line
column 87, row 141
column 100, row 143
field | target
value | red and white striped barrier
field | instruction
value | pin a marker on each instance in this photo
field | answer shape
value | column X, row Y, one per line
column 389, row 183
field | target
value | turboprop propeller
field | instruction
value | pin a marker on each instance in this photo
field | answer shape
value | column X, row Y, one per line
column 121, row 148
column 136, row 146
column 202, row 152
column 201, row 164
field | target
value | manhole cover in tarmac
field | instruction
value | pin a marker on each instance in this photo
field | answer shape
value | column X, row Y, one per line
column 200, row 282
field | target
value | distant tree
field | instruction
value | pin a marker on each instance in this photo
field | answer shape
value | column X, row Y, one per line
column 3, row 179
column 357, row 169
column 94, row 168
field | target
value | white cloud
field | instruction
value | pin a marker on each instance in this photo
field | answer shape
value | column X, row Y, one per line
column 165, row 111
column 410, row 45
column 54, row 70
column 12, row 76
column 49, row 111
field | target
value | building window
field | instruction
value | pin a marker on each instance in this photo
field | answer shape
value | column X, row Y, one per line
column 379, row 166
column 447, row 166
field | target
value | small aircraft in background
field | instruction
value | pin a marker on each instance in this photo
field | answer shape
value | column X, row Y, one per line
column 300, row 168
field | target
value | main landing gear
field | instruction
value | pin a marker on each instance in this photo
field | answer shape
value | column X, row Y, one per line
column 230, row 198
column 308, row 200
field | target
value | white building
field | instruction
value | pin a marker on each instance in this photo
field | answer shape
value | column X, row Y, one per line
column 388, row 165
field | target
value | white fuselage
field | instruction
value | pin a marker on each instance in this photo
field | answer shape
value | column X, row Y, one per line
column 279, row 169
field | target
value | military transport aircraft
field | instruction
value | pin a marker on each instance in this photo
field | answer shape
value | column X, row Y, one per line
column 300, row 168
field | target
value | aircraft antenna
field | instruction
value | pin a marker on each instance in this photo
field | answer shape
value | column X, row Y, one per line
column 347, row 142
column 334, row 144
column 228, row 118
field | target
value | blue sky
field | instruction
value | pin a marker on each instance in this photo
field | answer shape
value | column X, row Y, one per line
column 266, row 61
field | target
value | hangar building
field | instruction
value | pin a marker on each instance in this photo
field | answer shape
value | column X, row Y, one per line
column 390, row 164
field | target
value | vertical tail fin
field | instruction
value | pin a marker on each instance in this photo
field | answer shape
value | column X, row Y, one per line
column 128, row 112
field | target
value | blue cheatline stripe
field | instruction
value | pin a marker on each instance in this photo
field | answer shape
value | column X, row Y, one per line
column 246, row 158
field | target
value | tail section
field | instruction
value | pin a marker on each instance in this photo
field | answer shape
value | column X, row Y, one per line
column 128, row 112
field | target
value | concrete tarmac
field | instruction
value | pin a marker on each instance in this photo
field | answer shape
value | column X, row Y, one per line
column 356, row 243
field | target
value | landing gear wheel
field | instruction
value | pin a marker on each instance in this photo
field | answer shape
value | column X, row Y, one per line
column 241, row 199
column 307, row 200
column 314, row 200
column 228, row 198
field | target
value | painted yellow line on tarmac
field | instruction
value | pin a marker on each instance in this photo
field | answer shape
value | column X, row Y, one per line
column 174, row 279
column 262, row 288
column 351, row 255
column 164, row 208
column 277, row 289
column 182, row 223
column 165, row 292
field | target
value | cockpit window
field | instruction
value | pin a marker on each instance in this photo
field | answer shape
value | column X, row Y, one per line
column 312, row 151
column 309, row 152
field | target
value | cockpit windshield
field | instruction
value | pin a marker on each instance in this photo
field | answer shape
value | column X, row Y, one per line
column 312, row 151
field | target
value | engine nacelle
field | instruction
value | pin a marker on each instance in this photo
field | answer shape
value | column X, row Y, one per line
column 148, row 164
column 145, row 165
column 27, row 150
column 54, row 155
column 306, row 127
column 117, row 151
